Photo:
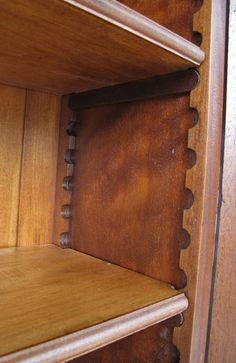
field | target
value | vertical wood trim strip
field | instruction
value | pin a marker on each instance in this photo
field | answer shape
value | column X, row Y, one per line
column 12, row 110
column 222, row 346
column 203, row 180
column 61, row 196
column 38, row 169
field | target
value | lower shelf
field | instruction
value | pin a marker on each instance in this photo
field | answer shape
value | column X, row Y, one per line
column 59, row 304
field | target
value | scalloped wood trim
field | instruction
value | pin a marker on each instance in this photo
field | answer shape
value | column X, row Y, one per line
column 202, row 179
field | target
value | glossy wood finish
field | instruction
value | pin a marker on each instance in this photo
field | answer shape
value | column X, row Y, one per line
column 80, row 54
column 150, row 345
column 60, row 292
column 223, row 320
column 171, row 84
column 203, row 180
column 129, row 191
column 12, row 108
column 38, row 174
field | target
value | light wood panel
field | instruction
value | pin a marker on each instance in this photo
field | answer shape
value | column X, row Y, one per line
column 59, row 292
column 94, row 44
column 38, row 169
column 203, row 180
column 12, row 108
column 222, row 346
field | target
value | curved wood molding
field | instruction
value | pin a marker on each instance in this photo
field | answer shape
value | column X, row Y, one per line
column 135, row 23
column 87, row 340
column 203, row 180
column 95, row 44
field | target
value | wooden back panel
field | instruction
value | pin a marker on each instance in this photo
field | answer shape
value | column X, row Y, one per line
column 12, row 108
column 28, row 145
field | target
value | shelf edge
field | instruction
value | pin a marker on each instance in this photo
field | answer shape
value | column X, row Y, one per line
column 82, row 342
column 143, row 27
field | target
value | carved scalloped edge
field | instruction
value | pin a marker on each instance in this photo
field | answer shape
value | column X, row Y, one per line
column 195, row 144
column 205, row 21
column 65, row 235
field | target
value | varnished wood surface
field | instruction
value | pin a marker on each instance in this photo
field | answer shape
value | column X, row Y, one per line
column 94, row 44
column 51, row 293
column 38, row 174
column 222, row 346
column 171, row 84
column 152, row 345
column 12, row 108
column 129, row 194
column 203, row 180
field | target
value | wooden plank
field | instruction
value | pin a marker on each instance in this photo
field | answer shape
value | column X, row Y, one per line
column 171, row 84
column 12, row 110
column 60, row 292
column 38, row 169
column 222, row 346
column 203, row 180
column 80, row 56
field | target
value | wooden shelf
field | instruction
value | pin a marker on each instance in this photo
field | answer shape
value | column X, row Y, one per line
column 58, row 304
column 77, row 45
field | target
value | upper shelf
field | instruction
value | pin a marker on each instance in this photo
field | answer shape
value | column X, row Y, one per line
column 68, row 46
column 58, row 304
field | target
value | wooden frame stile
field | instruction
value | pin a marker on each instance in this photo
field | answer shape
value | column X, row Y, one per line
column 203, row 180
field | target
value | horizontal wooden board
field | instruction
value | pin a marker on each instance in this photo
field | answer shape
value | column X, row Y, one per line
column 77, row 45
column 47, row 293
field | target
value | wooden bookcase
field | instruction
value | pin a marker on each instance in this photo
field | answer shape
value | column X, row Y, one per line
column 108, row 172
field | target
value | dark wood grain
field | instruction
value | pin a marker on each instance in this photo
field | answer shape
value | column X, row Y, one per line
column 94, row 44
column 223, row 320
column 174, row 83
column 129, row 194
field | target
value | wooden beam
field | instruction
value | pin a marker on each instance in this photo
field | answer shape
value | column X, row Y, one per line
column 174, row 83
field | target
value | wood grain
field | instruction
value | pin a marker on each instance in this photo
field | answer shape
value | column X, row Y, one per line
column 149, row 346
column 80, row 55
column 129, row 194
column 223, row 320
column 38, row 169
column 59, row 292
column 12, row 109
column 203, row 180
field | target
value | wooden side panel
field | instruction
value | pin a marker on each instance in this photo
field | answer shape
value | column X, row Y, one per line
column 203, row 180
column 38, row 169
column 129, row 196
column 12, row 108
column 223, row 321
